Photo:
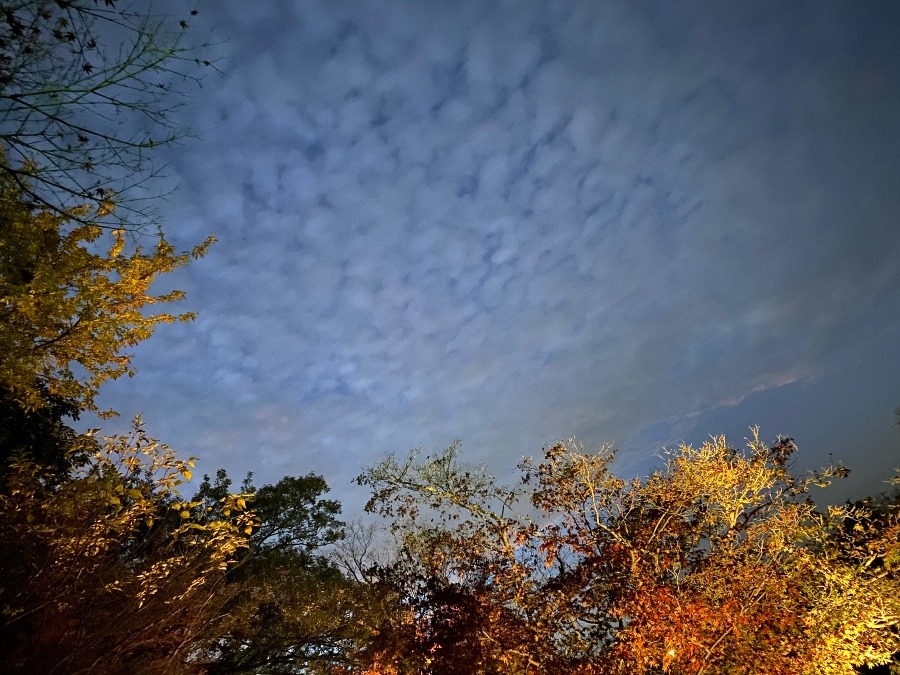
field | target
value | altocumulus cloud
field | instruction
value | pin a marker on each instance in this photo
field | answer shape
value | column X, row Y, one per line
column 513, row 222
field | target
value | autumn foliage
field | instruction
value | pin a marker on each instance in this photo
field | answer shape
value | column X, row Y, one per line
column 719, row 563
column 109, row 570
column 74, row 298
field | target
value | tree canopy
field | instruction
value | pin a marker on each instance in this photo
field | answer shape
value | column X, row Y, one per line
column 105, row 567
column 73, row 299
column 719, row 563
column 109, row 571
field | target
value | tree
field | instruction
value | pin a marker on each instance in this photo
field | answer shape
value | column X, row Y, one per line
column 73, row 298
column 433, row 623
column 110, row 571
column 104, row 566
column 40, row 435
column 87, row 90
column 876, row 530
column 719, row 563
column 292, row 610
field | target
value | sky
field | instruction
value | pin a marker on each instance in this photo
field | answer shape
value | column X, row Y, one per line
column 508, row 223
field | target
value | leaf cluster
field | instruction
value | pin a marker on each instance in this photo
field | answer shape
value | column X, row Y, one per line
column 110, row 567
column 74, row 297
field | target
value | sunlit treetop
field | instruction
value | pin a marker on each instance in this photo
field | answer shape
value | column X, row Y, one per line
column 74, row 298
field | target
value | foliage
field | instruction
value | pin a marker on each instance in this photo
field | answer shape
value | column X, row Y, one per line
column 427, row 621
column 876, row 531
column 109, row 570
column 289, row 614
column 292, row 513
column 295, row 517
column 720, row 563
column 87, row 90
column 73, row 299
column 38, row 435
column 104, row 566
column 292, row 610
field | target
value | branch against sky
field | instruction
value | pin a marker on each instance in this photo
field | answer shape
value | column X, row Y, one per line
column 87, row 91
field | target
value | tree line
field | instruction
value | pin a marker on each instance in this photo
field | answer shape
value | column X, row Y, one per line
column 718, row 562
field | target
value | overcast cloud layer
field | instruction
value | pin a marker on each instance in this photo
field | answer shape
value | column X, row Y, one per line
column 511, row 222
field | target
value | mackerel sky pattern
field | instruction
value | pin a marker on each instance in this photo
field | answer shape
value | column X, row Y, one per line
column 513, row 222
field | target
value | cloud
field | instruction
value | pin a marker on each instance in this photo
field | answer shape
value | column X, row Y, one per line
column 512, row 224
